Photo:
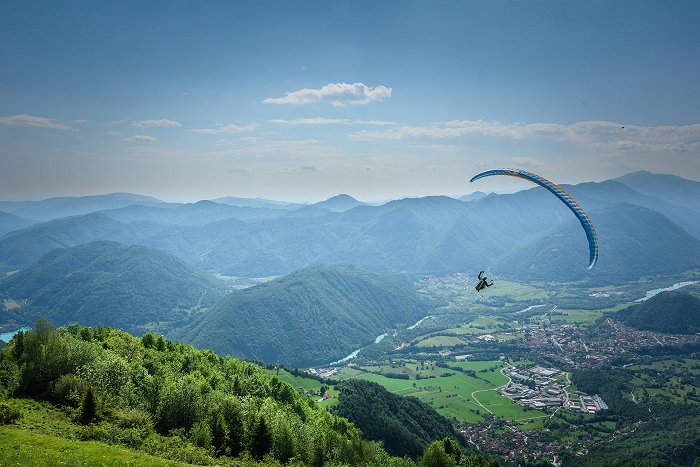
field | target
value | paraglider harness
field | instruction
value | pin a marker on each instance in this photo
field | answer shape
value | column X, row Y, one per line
column 483, row 282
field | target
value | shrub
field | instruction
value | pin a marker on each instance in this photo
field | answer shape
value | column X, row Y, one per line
column 9, row 413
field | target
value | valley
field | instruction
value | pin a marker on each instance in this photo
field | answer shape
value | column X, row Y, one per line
column 552, row 364
column 482, row 367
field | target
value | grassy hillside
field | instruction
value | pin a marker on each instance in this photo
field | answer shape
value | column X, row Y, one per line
column 107, row 283
column 103, row 397
column 310, row 317
column 674, row 312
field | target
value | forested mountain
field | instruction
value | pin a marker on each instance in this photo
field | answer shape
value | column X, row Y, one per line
column 528, row 234
column 10, row 222
column 55, row 208
column 21, row 248
column 632, row 239
column 313, row 316
column 671, row 188
column 675, row 312
column 404, row 424
column 107, row 283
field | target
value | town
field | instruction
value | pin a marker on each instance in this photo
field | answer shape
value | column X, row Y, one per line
column 547, row 388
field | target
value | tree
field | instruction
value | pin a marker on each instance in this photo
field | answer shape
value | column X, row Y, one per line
column 219, row 434
column 88, row 411
column 148, row 340
column 262, row 440
column 435, row 456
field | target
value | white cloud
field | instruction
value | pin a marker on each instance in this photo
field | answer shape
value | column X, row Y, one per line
column 142, row 139
column 336, row 94
column 605, row 134
column 30, row 120
column 230, row 128
column 162, row 123
column 313, row 121
column 329, row 121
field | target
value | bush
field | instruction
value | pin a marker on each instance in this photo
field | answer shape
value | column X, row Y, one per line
column 69, row 390
column 9, row 413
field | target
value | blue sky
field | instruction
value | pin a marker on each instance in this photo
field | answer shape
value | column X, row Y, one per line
column 302, row 100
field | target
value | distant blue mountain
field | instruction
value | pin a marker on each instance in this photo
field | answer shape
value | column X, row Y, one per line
column 256, row 203
column 473, row 196
column 670, row 188
column 10, row 222
column 339, row 203
column 56, row 208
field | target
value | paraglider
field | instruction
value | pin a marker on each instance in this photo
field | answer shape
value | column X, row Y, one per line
column 483, row 282
column 563, row 196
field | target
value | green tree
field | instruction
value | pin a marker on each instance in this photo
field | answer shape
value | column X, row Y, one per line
column 435, row 456
column 262, row 440
column 219, row 433
column 201, row 435
column 88, row 410
column 148, row 340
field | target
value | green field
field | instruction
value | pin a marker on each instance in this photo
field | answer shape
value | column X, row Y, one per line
column 440, row 341
column 459, row 395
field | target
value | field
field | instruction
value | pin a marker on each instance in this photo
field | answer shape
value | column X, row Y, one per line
column 451, row 391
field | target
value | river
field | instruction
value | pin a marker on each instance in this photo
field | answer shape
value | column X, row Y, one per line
column 7, row 336
column 376, row 341
column 651, row 293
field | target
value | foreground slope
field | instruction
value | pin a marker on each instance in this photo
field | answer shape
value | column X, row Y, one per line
column 163, row 401
column 107, row 283
column 310, row 317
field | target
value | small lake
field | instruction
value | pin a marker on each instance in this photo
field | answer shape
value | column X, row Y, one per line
column 7, row 336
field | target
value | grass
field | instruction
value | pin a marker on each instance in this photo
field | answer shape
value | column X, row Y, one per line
column 21, row 447
column 440, row 341
column 453, row 396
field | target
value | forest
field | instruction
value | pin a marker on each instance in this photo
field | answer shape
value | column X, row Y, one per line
column 176, row 402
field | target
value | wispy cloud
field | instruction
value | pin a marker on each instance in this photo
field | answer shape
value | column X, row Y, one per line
column 162, row 123
column 142, row 139
column 330, row 121
column 336, row 94
column 31, row 120
column 223, row 129
column 611, row 135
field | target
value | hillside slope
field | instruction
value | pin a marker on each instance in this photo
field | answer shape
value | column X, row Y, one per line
column 674, row 312
column 310, row 317
column 107, row 283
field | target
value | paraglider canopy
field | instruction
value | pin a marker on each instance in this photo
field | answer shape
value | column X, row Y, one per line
column 563, row 196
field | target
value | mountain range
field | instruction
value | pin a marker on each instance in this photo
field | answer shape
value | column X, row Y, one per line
column 524, row 235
